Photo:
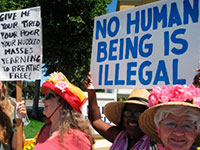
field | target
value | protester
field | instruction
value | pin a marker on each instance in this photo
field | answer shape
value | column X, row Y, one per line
column 67, row 129
column 8, row 135
column 173, row 118
column 124, row 114
column 196, row 79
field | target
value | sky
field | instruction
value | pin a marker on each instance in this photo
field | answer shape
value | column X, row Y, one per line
column 111, row 8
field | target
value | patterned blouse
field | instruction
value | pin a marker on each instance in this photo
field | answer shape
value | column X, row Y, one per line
column 121, row 142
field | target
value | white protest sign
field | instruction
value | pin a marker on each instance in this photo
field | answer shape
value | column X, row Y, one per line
column 20, row 44
column 103, row 99
column 148, row 45
column 101, row 105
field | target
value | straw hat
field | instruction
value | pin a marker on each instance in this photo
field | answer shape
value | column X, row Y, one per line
column 113, row 110
column 146, row 119
column 72, row 94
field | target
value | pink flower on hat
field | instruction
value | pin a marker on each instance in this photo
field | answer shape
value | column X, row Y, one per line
column 196, row 101
column 154, row 100
column 62, row 85
column 176, row 93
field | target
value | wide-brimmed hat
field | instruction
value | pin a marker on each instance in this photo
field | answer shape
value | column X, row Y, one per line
column 72, row 94
column 166, row 96
column 113, row 110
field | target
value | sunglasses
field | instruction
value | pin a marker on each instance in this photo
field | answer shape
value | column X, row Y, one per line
column 49, row 96
column 130, row 114
column 185, row 125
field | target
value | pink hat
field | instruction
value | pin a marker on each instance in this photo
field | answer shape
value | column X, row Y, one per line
column 72, row 94
column 168, row 96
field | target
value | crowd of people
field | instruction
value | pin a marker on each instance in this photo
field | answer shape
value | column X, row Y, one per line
column 163, row 118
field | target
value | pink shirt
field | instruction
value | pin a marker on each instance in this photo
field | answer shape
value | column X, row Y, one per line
column 73, row 140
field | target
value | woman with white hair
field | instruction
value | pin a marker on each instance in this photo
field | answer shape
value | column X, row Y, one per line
column 173, row 117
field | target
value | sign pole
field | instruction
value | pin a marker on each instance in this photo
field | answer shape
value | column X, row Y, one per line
column 19, row 120
column 26, row 28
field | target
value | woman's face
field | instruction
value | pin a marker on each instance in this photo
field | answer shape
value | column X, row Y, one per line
column 50, row 103
column 131, row 114
column 177, row 132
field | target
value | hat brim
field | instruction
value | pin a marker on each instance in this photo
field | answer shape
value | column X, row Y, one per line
column 148, row 126
column 72, row 99
column 113, row 110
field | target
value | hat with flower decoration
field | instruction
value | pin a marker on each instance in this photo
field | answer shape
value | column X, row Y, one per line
column 72, row 94
column 168, row 96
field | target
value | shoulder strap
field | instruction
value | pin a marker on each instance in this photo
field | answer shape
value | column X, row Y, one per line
column 42, row 129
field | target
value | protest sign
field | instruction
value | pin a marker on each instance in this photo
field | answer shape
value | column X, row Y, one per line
column 153, row 44
column 20, row 44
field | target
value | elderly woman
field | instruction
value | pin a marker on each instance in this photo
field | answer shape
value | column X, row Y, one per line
column 67, row 129
column 173, row 117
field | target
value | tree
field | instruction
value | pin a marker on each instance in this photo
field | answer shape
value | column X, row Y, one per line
column 34, row 112
column 67, row 33
column 68, row 30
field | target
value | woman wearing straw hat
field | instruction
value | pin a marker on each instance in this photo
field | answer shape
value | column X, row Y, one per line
column 173, row 117
column 66, row 129
column 124, row 114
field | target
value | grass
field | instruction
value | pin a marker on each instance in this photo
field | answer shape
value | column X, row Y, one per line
column 33, row 128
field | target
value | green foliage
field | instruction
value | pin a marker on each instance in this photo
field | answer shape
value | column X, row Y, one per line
column 33, row 128
column 68, row 44
column 122, row 99
column 7, row 5
column 11, row 86
column 28, row 89
column 67, row 33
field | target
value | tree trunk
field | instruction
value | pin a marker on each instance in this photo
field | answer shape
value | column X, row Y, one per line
column 34, row 113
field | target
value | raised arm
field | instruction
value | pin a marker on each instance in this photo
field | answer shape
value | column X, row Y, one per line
column 196, row 79
column 106, row 130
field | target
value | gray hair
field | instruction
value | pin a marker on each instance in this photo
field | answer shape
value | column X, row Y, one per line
column 163, row 112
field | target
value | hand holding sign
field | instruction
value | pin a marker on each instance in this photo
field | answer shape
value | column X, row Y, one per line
column 20, row 55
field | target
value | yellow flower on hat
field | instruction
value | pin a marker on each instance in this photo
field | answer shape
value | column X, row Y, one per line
column 56, row 77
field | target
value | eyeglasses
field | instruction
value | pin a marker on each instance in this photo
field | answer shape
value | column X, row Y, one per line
column 129, row 114
column 49, row 96
column 185, row 125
